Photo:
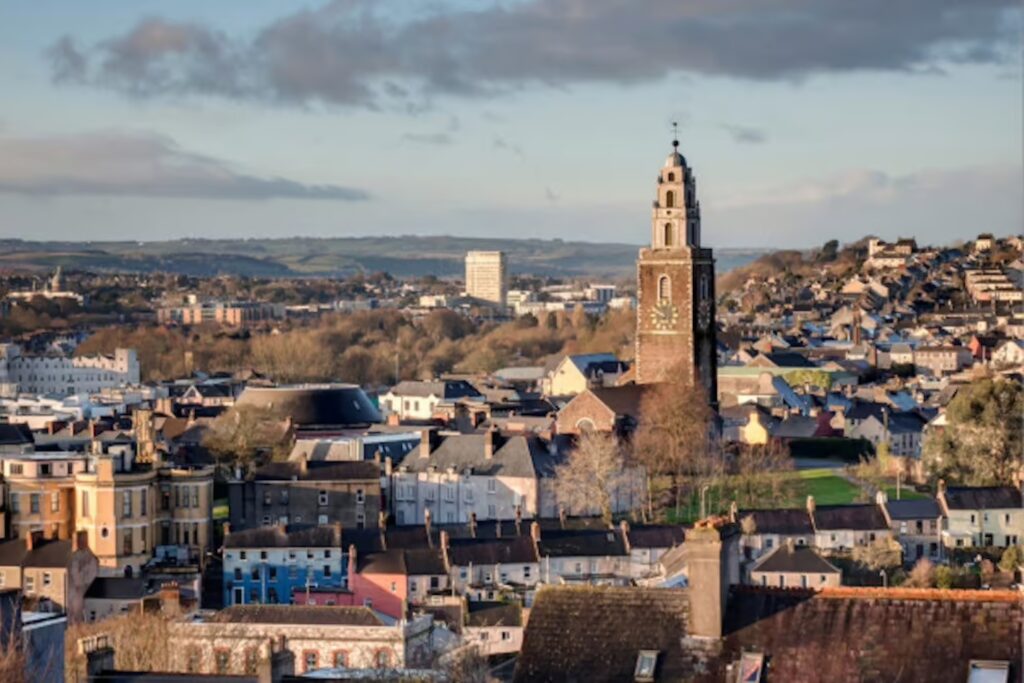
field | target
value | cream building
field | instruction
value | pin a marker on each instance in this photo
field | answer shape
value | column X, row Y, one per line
column 981, row 516
column 127, row 509
column 64, row 375
column 487, row 276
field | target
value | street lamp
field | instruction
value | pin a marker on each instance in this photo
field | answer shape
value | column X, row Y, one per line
column 885, row 578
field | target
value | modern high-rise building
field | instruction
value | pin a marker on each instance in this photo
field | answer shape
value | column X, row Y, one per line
column 487, row 276
column 676, row 286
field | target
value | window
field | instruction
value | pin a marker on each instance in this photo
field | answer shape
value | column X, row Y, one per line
column 55, row 501
column 803, row 581
column 193, row 660
column 126, row 542
column 242, row 554
column 126, row 504
column 327, row 571
column 266, row 520
column 327, row 553
column 670, row 199
column 221, row 660
column 15, row 503
column 251, row 661
column 435, row 583
column 526, row 571
column 360, row 496
column 30, row 584
column 17, row 469
column 321, row 519
column 47, row 578
column 671, row 177
column 340, row 659
column 195, row 496
column 394, row 587
column 142, row 538
column 85, row 503
column 664, row 288
column 492, row 511
column 646, row 662
column 492, row 485
column 272, row 573
column 238, row 573
column 667, row 238
column 272, row 595
column 266, row 497
column 143, row 501
column 310, row 659
column 769, row 543
column 505, row 635
column 33, row 503
column 383, row 659
column 322, row 498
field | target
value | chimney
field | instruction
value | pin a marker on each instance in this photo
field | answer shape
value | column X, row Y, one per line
column 99, row 656
column 472, row 525
column 519, row 520
column 227, row 529
column 624, row 528
column 389, row 466
column 81, row 541
column 811, row 507
column 33, row 540
column 304, row 465
column 394, row 420
column 337, row 533
column 353, row 565
column 535, row 531
column 426, row 442
column 942, row 489
column 278, row 662
column 170, row 599
column 490, row 442
column 444, row 539
column 561, row 516
column 713, row 561
column 94, row 429
column 426, row 525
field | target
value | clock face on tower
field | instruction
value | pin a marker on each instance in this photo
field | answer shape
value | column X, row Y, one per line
column 664, row 316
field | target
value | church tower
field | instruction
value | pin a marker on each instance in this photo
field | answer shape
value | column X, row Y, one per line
column 675, row 321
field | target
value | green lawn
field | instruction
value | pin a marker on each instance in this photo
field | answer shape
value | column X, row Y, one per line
column 220, row 509
column 827, row 487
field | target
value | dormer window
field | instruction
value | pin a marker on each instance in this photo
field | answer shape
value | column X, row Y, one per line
column 646, row 662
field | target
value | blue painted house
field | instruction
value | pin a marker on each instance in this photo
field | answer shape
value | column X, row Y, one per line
column 264, row 565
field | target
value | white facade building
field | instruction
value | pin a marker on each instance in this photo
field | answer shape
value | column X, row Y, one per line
column 64, row 375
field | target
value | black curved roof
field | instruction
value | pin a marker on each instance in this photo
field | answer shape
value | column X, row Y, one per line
column 319, row 404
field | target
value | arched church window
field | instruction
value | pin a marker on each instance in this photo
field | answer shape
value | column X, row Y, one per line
column 671, row 177
column 670, row 199
column 664, row 288
column 668, row 235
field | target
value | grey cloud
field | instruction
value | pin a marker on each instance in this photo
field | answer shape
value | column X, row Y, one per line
column 745, row 134
column 108, row 163
column 355, row 53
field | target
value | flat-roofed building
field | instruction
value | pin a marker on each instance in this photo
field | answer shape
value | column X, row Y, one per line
column 487, row 276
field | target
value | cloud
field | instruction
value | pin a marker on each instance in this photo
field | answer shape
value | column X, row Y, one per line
column 507, row 146
column 440, row 138
column 936, row 205
column 745, row 134
column 550, row 195
column 147, row 165
column 358, row 53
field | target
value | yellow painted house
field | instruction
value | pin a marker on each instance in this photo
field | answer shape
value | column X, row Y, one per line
column 572, row 375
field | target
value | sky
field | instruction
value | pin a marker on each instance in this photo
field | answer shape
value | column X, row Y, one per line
column 803, row 120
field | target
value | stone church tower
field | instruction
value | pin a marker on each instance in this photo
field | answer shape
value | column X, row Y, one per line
column 675, row 321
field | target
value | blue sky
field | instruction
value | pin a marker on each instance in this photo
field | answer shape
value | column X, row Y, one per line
column 543, row 118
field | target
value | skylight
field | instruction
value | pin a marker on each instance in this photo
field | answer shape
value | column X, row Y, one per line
column 646, row 662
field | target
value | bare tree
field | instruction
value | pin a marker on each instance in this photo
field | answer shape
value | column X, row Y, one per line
column 591, row 475
column 243, row 434
column 673, row 438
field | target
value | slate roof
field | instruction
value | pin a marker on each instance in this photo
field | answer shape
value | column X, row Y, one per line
column 582, row 543
column 595, row 634
column 622, row 400
column 292, row 536
column 117, row 588
column 798, row 559
column 413, row 562
column 837, row 634
column 47, row 553
column 855, row 517
column 319, row 470
column 982, row 497
column 785, row 522
column 514, row 456
column 796, row 427
column 494, row 614
column 925, row 508
column 15, row 434
column 444, row 389
column 656, row 536
column 516, row 550
column 296, row 614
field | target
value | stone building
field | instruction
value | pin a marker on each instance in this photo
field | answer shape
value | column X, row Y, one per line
column 676, row 286
column 228, row 642
column 127, row 509
column 64, row 375
column 308, row 492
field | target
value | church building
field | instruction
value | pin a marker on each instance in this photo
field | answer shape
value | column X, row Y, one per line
column 675, row 322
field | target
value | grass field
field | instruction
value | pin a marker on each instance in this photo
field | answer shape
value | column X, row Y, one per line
column 906, row 493
column 827, row 487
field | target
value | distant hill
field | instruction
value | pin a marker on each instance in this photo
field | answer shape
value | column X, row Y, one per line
column 333, row 257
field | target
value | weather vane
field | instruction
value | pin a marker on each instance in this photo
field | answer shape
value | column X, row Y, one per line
column 675, row 134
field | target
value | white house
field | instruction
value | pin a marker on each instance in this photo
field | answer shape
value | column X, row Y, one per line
column 64, row 375
column 419, row 400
